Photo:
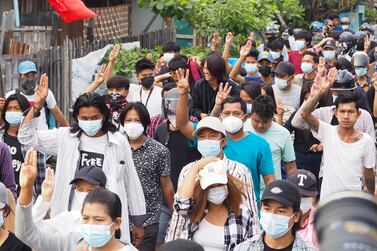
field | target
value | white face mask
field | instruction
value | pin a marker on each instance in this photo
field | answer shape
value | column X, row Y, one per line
column 275, row 55
column 80, row 197
column 133, row 130
column 168, row 56
column 217, row 195
column 232, row 124
column 306, row 204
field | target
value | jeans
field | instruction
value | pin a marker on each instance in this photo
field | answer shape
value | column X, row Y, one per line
column 309, row 161
column 164, row 220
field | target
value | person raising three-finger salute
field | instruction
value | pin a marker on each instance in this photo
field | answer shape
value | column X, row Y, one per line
column 92, row 140
column 101, row 217
column 348, row 154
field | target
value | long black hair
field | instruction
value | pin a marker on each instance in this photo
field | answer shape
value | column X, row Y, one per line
column 216, row 66
column 141, row 110
column 22, row 102
column 95, row 100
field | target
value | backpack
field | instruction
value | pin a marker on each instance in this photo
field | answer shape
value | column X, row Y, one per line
column 50, row 120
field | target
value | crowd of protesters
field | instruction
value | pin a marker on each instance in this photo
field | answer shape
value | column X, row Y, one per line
column 214, row 154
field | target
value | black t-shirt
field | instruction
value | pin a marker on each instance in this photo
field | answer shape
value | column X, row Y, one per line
column 267, row 248
column 17, row 156
column 14, row 244
column 180, row 152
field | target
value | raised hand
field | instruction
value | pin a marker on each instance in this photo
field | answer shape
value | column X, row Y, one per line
column 41, row 92
column 229, row 38
column 328, row 81
column 29, row 171
column 114, row 53
column 251, row 36
column 216, row 39
column 48, row 185
column 222, row 93
column 183, row 81
column 245, row 50
column 321, row 67
column 100, row 75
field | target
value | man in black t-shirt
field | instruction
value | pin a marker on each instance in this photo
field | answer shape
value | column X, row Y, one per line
column 180, row 152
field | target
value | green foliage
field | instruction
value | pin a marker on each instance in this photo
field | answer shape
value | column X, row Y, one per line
column 238, row 16
column 167, row 8
column 371, row 12
column 125, row 63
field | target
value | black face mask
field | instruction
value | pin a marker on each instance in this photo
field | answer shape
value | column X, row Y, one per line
column 265, row 70
column 147, row 82
column 27, row 85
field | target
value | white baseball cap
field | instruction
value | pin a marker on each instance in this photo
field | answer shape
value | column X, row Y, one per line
column 213, row 173
column 210, row 122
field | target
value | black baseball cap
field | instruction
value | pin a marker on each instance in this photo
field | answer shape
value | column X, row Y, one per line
column 285, row 68
column 305, row 181
column 330, row 44
column 92, row 174
column 284, row 192
column 182, row 245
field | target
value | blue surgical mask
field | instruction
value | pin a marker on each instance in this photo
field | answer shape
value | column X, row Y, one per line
column 328, row 55
column 275, row 55
column 209, row 148
column 14, row 118
column 362, row 71
column 90, row 127
column 306, row 67
column 299, row 44
column 249, row 107
column 251, row 68
column 281, row 83
column 275, row 225
column 345, row 27
column 96, row 235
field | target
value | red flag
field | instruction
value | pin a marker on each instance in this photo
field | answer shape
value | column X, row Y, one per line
column 71, row 10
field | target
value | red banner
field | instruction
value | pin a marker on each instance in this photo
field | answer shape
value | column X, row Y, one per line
column 71, row 10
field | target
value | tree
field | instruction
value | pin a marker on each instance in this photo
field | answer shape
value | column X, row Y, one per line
column 240, row 16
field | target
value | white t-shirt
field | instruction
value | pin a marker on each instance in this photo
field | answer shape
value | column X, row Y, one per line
column 153, row 103
column 290, row 99
column 92, row 150
column 216, row 234
column 343, row 163
column 51, row 103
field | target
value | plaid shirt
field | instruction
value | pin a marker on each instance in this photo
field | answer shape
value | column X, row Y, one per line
column 41, row 158
column 237, row 228
column 256, row 244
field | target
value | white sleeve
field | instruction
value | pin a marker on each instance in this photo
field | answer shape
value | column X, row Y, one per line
column 50, row 100
column 40, row 209
column 134, row 190
column 324, row 130
column 45, row 141
column 369, row 157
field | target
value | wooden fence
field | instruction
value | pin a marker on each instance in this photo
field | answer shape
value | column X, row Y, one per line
column 56, row 62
